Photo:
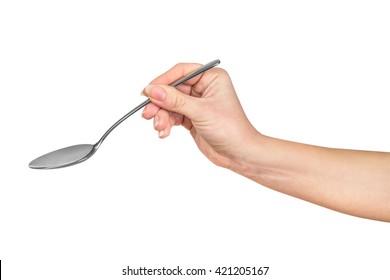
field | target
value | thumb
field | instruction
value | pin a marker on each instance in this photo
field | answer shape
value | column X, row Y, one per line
column 171, row 99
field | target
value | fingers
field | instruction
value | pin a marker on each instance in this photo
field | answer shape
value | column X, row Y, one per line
column 181, row 105
column 163, row 120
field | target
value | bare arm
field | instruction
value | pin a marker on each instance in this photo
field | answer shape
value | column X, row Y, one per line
column 348, row 181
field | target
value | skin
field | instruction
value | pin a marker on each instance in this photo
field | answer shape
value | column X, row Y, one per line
column 349, row 181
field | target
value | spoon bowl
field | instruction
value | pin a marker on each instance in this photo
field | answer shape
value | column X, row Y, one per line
column 64, row 157
column 78, row 153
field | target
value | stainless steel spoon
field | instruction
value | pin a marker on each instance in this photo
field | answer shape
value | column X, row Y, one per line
column 78, row 153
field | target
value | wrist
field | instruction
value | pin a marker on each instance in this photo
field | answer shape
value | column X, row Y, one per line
column 266, row 160
column 250, row 158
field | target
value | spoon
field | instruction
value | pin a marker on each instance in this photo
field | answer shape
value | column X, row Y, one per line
column 78, row 153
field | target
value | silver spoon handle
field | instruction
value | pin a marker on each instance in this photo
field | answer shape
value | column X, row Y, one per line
column 146, row 102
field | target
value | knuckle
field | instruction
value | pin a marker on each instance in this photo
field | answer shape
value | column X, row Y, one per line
column 179, row 64
column 221, row 72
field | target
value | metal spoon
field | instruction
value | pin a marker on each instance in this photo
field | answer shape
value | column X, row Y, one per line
column 78, row 153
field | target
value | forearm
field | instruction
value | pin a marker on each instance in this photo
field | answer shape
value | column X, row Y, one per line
column 349, row 181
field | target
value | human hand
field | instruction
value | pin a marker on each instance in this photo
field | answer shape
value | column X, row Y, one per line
column 207, row 105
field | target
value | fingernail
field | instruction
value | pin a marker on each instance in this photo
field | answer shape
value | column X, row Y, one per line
column 156, row 121
column 157, row 93
column 146, row 91
column 143, row 112
column 161, row 133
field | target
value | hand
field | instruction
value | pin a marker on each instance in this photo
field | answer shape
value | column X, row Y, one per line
column 207, row 105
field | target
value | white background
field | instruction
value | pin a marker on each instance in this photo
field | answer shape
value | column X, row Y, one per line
column 309, row 71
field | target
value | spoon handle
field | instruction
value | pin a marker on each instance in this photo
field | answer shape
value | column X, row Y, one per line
column 189, row 76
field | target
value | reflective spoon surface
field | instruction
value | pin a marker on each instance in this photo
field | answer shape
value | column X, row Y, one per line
column 78, row 153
